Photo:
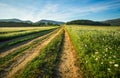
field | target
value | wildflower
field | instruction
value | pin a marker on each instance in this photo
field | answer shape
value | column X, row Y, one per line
column 96, row 52
column 106, row 49
column 108, row 69
column 116, row 65
column 101, row 62
column 96, row 59
column 111, row 62
column 114, row 56
column 105, row 54
column 85, row 45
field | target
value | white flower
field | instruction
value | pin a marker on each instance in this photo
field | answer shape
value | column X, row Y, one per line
column 106, row 49
column 111, row 62
column 85, row 45
column 96, row 59
column 116, row 65
column 108, row 69
column 105, row 54
column 96, row 52
column 114, row 56
column 101, row 62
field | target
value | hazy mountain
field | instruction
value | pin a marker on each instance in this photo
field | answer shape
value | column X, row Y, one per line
column 10, row 20
column 51, row 21
column 18, row 22
column 14, row 20
column 14, row 23
column 30, row 22
column 114, row 22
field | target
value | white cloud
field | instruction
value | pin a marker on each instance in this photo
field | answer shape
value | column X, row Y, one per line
column 7, row 11
column 54, row 11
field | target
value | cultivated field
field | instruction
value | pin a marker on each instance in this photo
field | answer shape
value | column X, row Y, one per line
column 60, row 52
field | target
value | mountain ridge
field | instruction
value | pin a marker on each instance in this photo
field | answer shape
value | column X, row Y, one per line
column 51, row 21
column 17, row 22
column 113, row 21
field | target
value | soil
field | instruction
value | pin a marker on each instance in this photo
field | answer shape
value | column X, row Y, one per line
column 67, row 67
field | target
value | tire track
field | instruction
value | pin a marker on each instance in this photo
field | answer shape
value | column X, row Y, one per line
column 66, row 67
column 7, row 66
column 21, row 61
column 23, row 44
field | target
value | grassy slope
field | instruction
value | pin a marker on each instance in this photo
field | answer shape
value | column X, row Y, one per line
column 98, row 49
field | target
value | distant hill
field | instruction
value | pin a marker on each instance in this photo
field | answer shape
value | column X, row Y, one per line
column 50, row 22
column 10, row 20
column 86, row 22
column 14, row 23
column 113, row 22
column 14, row 20
column 21, row 23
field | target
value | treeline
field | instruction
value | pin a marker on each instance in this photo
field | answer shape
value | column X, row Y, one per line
column 87, row 22
column 22, row 24
column 45, row 24
column 14, row 24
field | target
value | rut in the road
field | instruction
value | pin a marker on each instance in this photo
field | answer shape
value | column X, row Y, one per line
column 22, row 44
column 29, row 56
column 66, row 67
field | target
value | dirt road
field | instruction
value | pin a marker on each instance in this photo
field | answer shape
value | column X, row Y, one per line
column 21, row 61
column 66, row 67
column 20, row 45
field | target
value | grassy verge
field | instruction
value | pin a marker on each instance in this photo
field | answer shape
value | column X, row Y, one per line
column 98, row 51
column 43, row 65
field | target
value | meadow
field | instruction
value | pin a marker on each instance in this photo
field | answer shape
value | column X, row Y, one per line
column 98, row 49
column 68, row 51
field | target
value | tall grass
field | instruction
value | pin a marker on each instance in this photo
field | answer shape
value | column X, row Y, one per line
column 98, row 50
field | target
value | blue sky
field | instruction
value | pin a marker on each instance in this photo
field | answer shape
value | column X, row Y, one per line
column 60, row 10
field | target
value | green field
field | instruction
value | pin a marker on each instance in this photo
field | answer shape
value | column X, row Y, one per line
column 98, row 49
column 36, row 52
